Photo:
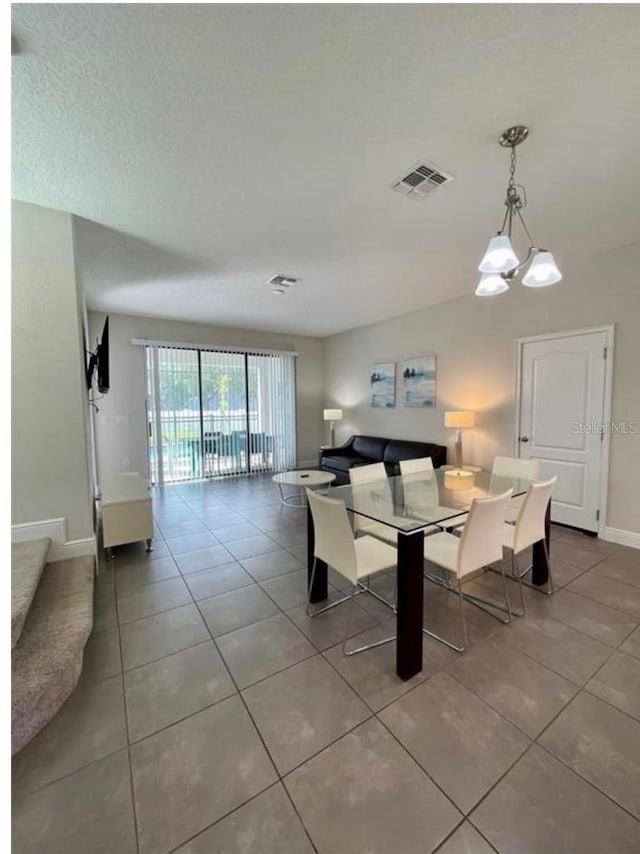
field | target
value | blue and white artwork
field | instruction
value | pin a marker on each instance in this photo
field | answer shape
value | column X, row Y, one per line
column 382, row 384
column 419, row 381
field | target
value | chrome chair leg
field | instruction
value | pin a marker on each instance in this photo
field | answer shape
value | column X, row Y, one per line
column 367, row 589
column 463, row 621
column 351, row 597
column 347, row 629
column 478, row 601
column 546, row 554
column 322, row 610
column 506, row 592
column 462, row 615
column 516, row 574
column 520, row 575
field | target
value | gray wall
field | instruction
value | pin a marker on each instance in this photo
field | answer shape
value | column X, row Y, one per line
column 50, row 472
column 475, row 343
column 121, row 423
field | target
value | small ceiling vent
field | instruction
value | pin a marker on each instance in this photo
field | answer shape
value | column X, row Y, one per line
column 422, row 179
column 282, row 281
column 279, row 284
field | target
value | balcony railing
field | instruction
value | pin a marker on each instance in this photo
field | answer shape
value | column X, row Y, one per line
column 222, row 449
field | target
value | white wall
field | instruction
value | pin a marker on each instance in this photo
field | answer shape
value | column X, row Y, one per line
column 474, row 340
column 121, row 422
column 50, row 473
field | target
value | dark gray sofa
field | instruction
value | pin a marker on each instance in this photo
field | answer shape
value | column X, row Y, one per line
column 364, row 450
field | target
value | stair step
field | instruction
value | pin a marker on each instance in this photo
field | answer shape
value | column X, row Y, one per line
column 27, row 564
column 47, row 659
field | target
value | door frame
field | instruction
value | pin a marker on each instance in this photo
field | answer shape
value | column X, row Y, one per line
column 609, row 330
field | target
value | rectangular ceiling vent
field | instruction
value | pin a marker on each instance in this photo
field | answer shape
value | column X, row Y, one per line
column 282, row 281
column 422, row 179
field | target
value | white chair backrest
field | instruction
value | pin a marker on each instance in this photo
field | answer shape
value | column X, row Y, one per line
column 417, row 465
column 333, row 535
column 530, row 527
column 516, row 468
column 367, row 474
column 420, row 494
column 481, row 540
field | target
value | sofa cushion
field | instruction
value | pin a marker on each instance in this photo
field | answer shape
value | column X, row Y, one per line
column 400, row 449
column 370, row 447
column 343, row 462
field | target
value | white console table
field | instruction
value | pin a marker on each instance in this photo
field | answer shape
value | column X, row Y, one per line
column 126, row 511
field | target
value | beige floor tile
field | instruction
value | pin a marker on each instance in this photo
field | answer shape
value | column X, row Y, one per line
column 88, row 811
column 154, row 637
column 543, row 806
column 463, row 744
column 165, row 691
column 190, row 775
column 365, row 793
column 89, row 726
column 301, row 710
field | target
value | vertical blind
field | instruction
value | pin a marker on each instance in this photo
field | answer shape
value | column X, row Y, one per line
column 215, row 413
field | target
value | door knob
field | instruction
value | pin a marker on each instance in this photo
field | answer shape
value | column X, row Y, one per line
column 524, row 438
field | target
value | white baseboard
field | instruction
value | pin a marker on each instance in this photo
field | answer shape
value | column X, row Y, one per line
column 56, row 531
column 52, row 529
column 622, row 538
column 76, row 548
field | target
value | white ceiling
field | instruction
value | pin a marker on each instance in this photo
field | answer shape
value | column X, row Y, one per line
column 208, row 147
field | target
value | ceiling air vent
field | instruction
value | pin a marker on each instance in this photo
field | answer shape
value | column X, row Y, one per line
column 279, row 284
column 422, row 179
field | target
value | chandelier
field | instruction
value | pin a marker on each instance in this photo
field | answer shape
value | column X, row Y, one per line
column 500, row 263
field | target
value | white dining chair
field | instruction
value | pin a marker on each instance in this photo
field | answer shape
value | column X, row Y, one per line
column 415, row 466
column 479, row 545
column 515, row 468
column 356, row 559
column 529, row 528
column 374, row 473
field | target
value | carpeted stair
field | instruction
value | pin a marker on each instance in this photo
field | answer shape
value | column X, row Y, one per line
column 51, row 620
column 27, row 564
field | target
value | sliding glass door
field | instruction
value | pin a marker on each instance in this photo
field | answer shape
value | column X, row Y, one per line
column 214, row 413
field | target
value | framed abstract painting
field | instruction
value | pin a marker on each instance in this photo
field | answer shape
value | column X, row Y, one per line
column 419, row 381
column 382, row 385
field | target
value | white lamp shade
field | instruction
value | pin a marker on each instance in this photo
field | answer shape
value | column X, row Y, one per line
column 459, row 419
column 499, row 257
column 459, row 479
column 491, row 284
column 542, row 271
column 333, row 415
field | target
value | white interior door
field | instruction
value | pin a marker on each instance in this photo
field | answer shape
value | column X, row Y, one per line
column 561, row 400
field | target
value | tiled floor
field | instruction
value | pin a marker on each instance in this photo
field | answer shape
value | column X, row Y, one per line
column 213, row 716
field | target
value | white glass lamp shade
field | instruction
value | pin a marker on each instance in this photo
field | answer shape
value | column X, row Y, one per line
column 542, row 271
column 459, row 479
column 499, row 257
column 491, row 284
column 332, row 415
column 459, row 419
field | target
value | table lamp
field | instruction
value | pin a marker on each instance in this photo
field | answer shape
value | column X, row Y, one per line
column 333, row 415
column 459, row 420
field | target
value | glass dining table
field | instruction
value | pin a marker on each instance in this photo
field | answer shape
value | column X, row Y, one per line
column 413, row 505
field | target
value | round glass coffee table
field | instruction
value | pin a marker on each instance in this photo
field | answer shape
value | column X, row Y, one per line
column 300, row 478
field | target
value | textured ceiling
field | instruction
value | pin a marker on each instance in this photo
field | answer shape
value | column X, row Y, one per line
column 208, row 147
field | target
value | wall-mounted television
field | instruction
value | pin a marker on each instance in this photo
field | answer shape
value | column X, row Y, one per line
column 99, row 362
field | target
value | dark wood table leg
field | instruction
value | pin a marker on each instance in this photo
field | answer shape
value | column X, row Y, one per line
column 540, row 563
column 410, row 604
column 320, row 589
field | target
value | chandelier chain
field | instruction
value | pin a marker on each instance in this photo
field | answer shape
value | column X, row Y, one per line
column 512, row 169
